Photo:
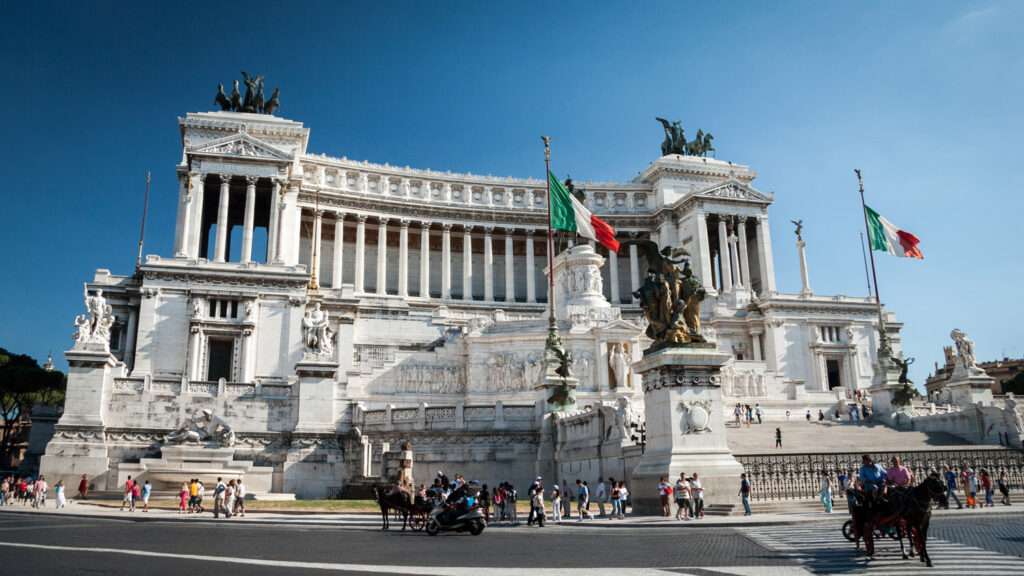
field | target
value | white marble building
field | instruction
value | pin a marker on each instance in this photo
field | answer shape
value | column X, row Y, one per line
column 435, row 287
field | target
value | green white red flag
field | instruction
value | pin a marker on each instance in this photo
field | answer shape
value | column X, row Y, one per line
column 887, row 237
column 570, row 215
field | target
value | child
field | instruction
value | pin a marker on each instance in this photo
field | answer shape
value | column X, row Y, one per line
column 183, row 497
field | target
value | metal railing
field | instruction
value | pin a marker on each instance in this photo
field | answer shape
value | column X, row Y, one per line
column 798, row 476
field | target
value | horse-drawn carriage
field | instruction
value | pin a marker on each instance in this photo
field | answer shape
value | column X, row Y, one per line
column 901, row 512
column 433, row 513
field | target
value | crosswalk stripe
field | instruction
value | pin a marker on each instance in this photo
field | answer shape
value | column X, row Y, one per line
column 822, row 549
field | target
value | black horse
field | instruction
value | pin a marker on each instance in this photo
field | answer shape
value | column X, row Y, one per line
column 903, row 512
column 390, row 499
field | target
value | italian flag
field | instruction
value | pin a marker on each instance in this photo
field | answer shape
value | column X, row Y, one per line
column 887, row 237
column 569, row 214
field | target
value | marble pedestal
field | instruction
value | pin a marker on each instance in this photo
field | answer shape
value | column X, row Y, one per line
column 179, row 463
column 967, row 387
column 886, row 384
column 316, row 395
column 685, row 426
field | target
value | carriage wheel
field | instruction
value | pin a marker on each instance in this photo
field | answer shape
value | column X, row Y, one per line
column 848, row 532
column 417, row 521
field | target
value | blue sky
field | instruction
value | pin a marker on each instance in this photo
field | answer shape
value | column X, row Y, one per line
column 925, row 97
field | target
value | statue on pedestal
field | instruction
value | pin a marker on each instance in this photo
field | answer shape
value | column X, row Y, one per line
column 670, row 298
column 94, row 327
column 964, row 351
column 619, row 363
column 206, row 427
column 317, row 334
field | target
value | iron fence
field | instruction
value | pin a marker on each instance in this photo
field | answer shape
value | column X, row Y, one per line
column 798, row 476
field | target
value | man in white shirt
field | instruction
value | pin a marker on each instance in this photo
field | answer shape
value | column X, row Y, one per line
column 602, row 496
column 697, row 493
column 239, row 497
column 218, row 498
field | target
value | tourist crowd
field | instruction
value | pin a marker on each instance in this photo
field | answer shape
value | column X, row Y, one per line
column 29, row 491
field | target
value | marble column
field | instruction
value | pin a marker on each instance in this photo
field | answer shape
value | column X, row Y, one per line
column 424, row 259
column 467, row 263
column 531, row 269
column 220, row 253
column 250, row 218
column 805, row 277
column 248, row 359
column 744, row 255
column 756, row 337
column 705, row 251
column 181, row 230
column 489, row 263
column 314, row 245
column 382, row 256
column 272, row 229
column 634, row 271
column 196, row 183
column 723, row 254
column 764, row 256
column 734, row 259
column 403, row 259
column 613, row 277
column 360, row 270
column 195, row 353
column 510, row 269
column 339, row 250
column 446, row 261
column 279, row 232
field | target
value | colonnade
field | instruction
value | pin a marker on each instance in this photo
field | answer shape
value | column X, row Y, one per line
column 190, row 227
column 520, row 257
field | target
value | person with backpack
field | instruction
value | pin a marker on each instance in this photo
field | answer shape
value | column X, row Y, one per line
column 218, row 498
column 745, row 494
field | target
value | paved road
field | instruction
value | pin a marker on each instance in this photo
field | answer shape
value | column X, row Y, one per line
column 36, row 544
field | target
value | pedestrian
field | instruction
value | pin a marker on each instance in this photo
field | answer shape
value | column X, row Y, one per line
column 510, row 497
column 745, row 494
column 568, row 497
column 778, row 437
column 556, row 504
column 665, row 494
column 616, row 510
column 787, row 415
column 750, row 414
column 136, row 494
column 147, row 489
column 127, row 499
column 499, row 501
column 485, row 503
column 5, row 485
column 229, row 498
column 240, row 493
column 200, row 494
column 58, row 492
column 738, row 414
column 623, row 499
column 758, row 412
column 218, row 497
column 1004, row 488
column 808, row 415
column 842, row 480
column 602, row 496
column 537, row 511
column 986, row 485
column 682, row 492
column 83, row 487
column 821, row 416
column 536, row 485
column 951, row 477
column 825, row 493
column 697, row 493
column 183, row 498
column 41, row 489
column 971, row 485
column 582, row 500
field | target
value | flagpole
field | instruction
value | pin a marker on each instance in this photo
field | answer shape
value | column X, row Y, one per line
column 864, row 254
column 142, row 226
column 551, row 241
column 874, row 273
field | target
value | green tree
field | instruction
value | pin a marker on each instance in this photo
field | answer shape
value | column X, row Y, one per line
column 23, row 384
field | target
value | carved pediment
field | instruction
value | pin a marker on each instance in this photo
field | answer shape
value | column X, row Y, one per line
column 735, row 190
column 242, row 145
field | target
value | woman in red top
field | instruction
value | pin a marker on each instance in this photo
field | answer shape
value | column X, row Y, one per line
column 83, row 487
column 986, row 484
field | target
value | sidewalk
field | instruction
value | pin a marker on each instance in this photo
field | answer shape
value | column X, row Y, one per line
column 372, row 521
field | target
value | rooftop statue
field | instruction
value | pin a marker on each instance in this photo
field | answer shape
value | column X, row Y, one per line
column 317, row 334
column 670, row 297
column 675, row 140
column 94, row 327
column 254, row 100
column 799, row 229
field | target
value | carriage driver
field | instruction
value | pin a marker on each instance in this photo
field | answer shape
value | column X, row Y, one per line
column 872, row 478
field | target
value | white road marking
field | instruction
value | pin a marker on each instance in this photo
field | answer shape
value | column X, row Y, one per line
column 429, row 570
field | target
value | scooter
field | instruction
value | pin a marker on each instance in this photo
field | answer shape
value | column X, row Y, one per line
column 441, row 519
